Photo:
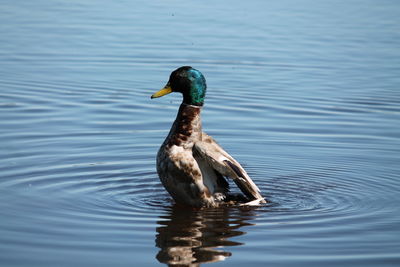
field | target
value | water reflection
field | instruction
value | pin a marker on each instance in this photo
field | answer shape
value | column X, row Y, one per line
column 190, row 237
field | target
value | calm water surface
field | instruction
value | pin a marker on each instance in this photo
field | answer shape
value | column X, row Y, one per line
column 305, row 94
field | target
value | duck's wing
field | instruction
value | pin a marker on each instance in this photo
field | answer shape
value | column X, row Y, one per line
column 226, row 165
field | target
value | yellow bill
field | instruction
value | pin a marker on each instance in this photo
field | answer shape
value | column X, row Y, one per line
column 166, row 90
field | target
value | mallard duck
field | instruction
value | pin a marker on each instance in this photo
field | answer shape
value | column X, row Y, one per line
column 190, row 164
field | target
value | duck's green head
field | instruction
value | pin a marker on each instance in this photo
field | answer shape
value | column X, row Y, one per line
column 188, row 81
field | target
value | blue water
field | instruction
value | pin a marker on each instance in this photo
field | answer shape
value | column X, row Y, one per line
column 305, row 94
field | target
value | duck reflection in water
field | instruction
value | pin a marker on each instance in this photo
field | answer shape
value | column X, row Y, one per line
column 188, row 237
